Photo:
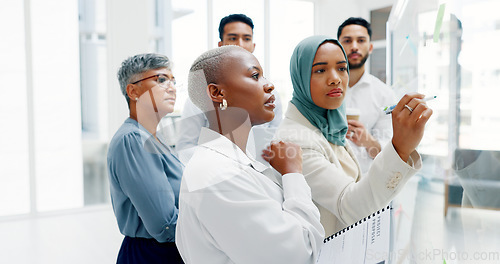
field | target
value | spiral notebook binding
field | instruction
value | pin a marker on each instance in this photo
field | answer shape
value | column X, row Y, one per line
column 356, row 223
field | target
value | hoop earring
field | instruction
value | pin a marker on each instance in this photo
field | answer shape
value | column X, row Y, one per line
column 223, row 105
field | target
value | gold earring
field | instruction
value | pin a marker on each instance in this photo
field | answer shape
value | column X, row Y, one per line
column 223, row 105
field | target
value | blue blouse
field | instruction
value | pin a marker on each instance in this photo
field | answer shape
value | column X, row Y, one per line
column 144, row 183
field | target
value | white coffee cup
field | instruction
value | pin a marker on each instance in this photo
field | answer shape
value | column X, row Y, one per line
column 353, row 113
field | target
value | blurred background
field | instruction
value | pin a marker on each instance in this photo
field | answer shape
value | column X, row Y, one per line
column 62, row 104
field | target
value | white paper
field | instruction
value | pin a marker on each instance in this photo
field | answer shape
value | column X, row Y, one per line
column 365, row 242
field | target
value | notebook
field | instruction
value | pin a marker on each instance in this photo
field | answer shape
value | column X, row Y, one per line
column 367, row 241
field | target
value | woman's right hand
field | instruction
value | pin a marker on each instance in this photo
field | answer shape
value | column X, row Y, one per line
column 408, row 125
column 285, row 157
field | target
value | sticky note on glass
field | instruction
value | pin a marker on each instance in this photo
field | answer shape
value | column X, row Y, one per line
column 412, row 46
column 439, row 22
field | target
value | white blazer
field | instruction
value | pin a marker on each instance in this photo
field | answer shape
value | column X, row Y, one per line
column 340, row 198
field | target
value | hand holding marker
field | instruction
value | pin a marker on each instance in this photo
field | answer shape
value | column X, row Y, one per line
column 388, row 109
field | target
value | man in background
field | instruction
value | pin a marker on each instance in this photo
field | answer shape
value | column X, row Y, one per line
column 234, row 29
column 237, row 29
column 366, row 94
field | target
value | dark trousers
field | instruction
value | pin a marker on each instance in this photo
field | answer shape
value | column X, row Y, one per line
column 136, row 250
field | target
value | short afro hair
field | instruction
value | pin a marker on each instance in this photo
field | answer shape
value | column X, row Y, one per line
column 206, row 69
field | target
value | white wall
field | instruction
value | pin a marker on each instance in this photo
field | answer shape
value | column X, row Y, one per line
column 41, row 136
column 331, row 13
column 128, row 34
column 368, row 5
column 15, row 134
column 130, row 28
column 56, row 104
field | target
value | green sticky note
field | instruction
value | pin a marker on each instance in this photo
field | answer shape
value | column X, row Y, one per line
column 439, row 22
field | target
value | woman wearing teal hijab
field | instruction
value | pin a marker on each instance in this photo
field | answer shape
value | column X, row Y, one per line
column 331, row 122
column 316, row 121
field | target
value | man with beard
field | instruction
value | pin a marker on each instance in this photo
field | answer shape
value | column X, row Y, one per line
column 366, row 93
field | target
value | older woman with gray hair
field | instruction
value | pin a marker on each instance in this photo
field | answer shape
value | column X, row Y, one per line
column 144, row 175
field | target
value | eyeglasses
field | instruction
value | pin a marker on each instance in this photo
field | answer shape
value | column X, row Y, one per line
column 162, row 80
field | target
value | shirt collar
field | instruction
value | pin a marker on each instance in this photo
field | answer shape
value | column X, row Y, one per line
column 219, row 143
column 148, row 137
column 364, row 79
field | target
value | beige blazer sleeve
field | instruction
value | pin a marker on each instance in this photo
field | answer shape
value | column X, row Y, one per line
column 345, row 197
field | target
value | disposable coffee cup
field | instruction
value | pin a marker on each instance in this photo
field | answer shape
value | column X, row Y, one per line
column 353, row 113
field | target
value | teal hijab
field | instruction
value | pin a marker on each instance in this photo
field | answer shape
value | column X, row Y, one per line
column 332, row 123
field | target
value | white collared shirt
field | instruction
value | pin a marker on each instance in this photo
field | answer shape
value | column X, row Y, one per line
column 370, row 96
column 193, row 119
column 233, row 210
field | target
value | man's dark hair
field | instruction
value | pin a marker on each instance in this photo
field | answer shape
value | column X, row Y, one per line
column 355, row 21
column 233, row 18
